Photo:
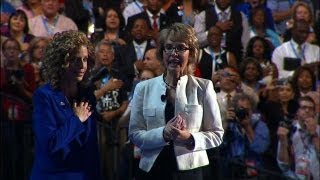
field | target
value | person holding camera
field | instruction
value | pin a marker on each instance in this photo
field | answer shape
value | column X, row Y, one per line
column 246, row 138
column 299, row 143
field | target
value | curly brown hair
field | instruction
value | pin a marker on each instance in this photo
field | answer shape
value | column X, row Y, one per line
column 60, row 51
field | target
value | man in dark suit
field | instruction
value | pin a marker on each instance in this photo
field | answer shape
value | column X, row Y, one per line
column 155, row 19
column 133, row 53
column 233, row 24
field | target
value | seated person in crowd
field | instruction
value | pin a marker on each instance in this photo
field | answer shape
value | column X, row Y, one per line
column 302, row 10
column 296, row 52
column 249, row 5
column 251, row 74
column 282, row 12
column 299, row 143
column 132, row 54
column 17, row 78
column 18, row 29
column 259, row 48
column 214, row 57
column 258, row 27
column 50, row 22
column 36, row 52
column 152, row 62
column 233, row 23
column 229, row 84
column 246, row 139
column 112, row 29
column 304, row 83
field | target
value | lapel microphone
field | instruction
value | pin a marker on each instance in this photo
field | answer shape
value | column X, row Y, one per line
column 163, row 97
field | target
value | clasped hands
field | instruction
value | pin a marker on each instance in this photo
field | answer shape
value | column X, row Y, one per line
column 176, row 130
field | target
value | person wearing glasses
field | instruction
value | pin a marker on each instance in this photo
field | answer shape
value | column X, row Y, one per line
column 299, row 142
column 175, row 117
column 64, row 125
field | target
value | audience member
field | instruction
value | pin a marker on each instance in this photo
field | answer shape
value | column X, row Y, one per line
column 134, row 8
column 133, row 53
column 75, row 10
column 251, row 74
column 259, row 48
column 32, row 8
column 247, row 6
column 155, row 18
column 131, row 154
column 214, row 58
column 281, row 13
column 246, row 138
column 304, row 83
column 112, row 102
column 258, row 27
column 301, row 10
column 18, row 79
column 51, row 21
column 229, row 83
column 182, row 11
column 19, row 29
column 6, row 10
column 296, row 52
column 299, row 143
column 152, row 63
column 234, row 25
column 113, row 29
column 36, row 53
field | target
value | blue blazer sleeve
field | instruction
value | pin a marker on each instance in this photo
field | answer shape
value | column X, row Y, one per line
column 58, row 131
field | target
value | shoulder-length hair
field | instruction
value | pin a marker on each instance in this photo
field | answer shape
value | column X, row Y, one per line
column 267, row 50
column 296, row 5
column 33, row 44
column 298, row 72
column 179, row 32
column 60, row 51
column 20, row 13
column 246, row 62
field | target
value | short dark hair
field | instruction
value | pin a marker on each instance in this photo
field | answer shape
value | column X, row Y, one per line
column 307, row 98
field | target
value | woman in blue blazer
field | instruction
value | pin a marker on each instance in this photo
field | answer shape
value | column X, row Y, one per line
column 175, row 117
column 63, row 119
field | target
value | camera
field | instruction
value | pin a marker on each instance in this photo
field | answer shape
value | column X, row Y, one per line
column 241, row 113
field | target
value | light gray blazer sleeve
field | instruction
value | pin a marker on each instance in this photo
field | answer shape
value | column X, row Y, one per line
column 211, row 133
column 139, row 134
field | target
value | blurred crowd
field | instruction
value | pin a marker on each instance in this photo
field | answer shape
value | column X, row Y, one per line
column 261, row 54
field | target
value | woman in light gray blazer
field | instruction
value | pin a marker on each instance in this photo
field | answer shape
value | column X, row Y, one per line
column 175, row 117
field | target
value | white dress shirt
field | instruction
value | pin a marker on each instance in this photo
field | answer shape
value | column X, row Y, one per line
column 133, row 8
column 140, row 49
column 310, row 54
column 40, row 27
